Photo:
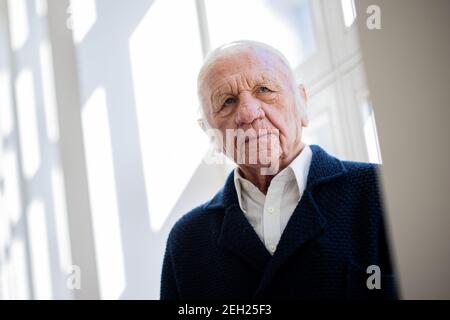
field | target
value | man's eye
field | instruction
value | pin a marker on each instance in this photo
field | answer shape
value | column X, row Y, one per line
column 229, row 101
column 265, row 90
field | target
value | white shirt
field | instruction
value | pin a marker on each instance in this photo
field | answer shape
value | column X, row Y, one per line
column 270, row 213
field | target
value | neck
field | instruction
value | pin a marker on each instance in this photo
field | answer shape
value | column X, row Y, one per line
column 262, row 182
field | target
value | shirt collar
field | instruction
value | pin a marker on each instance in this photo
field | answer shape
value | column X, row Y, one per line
column 298, row 169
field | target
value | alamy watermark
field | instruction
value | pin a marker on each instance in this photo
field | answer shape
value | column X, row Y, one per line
column 73, row 281
column 374, row 280
column 260, row 148
column 373, row 21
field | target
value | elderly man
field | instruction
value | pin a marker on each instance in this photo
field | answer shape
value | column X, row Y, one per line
column 293, row 223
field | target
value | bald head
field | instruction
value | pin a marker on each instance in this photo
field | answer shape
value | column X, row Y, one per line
column 243, row 47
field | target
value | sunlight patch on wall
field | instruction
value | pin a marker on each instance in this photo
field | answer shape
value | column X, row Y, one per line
column 11, row 194
column 6, row 117
column 17, row 271
column 19, row 27
column 4, row 290
column 40, row 257
column 28, row 130
column 41, row 7
column 48, row 88
column 103, row 196
column 62, row 227
column 84, row 15
column 5, row 230
column 164, row 76
column 349, row 12
column 370, row 133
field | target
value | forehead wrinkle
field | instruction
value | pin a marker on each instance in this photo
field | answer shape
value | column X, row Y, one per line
column 240, row 81
column 241, row 62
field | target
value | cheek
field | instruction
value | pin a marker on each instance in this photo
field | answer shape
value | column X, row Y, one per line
column 285, row 121
column 278, row 120
column 228, row 142
column 291, row 118
column 224, row 124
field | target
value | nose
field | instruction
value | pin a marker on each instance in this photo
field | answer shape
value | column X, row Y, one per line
column 249, row 109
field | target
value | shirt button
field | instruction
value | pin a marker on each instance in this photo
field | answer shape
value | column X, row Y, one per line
column 273, row 248
column 270, row 210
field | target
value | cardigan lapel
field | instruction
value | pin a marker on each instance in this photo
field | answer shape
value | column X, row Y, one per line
column 237, row 234
column 239, row 237
column 305, row 224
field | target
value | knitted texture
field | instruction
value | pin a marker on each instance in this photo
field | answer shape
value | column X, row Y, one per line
column 335, row 233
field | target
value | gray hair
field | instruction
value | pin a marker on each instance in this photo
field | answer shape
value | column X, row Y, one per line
column 237, row 47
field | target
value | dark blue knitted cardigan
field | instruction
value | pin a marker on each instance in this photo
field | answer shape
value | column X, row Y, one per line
column 335, row 233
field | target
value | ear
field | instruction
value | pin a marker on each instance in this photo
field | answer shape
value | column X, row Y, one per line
column 201, row 123
column 304, row 95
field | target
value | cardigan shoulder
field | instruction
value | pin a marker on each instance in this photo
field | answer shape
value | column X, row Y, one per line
column 363, row 174
column 361, row 169
column 191, row 226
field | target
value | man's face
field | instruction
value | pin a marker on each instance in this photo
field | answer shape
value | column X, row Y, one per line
column 253, row 91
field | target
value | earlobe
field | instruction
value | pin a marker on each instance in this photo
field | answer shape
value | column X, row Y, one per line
column 305, row 121
column 304, row 95
column 201, row 123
